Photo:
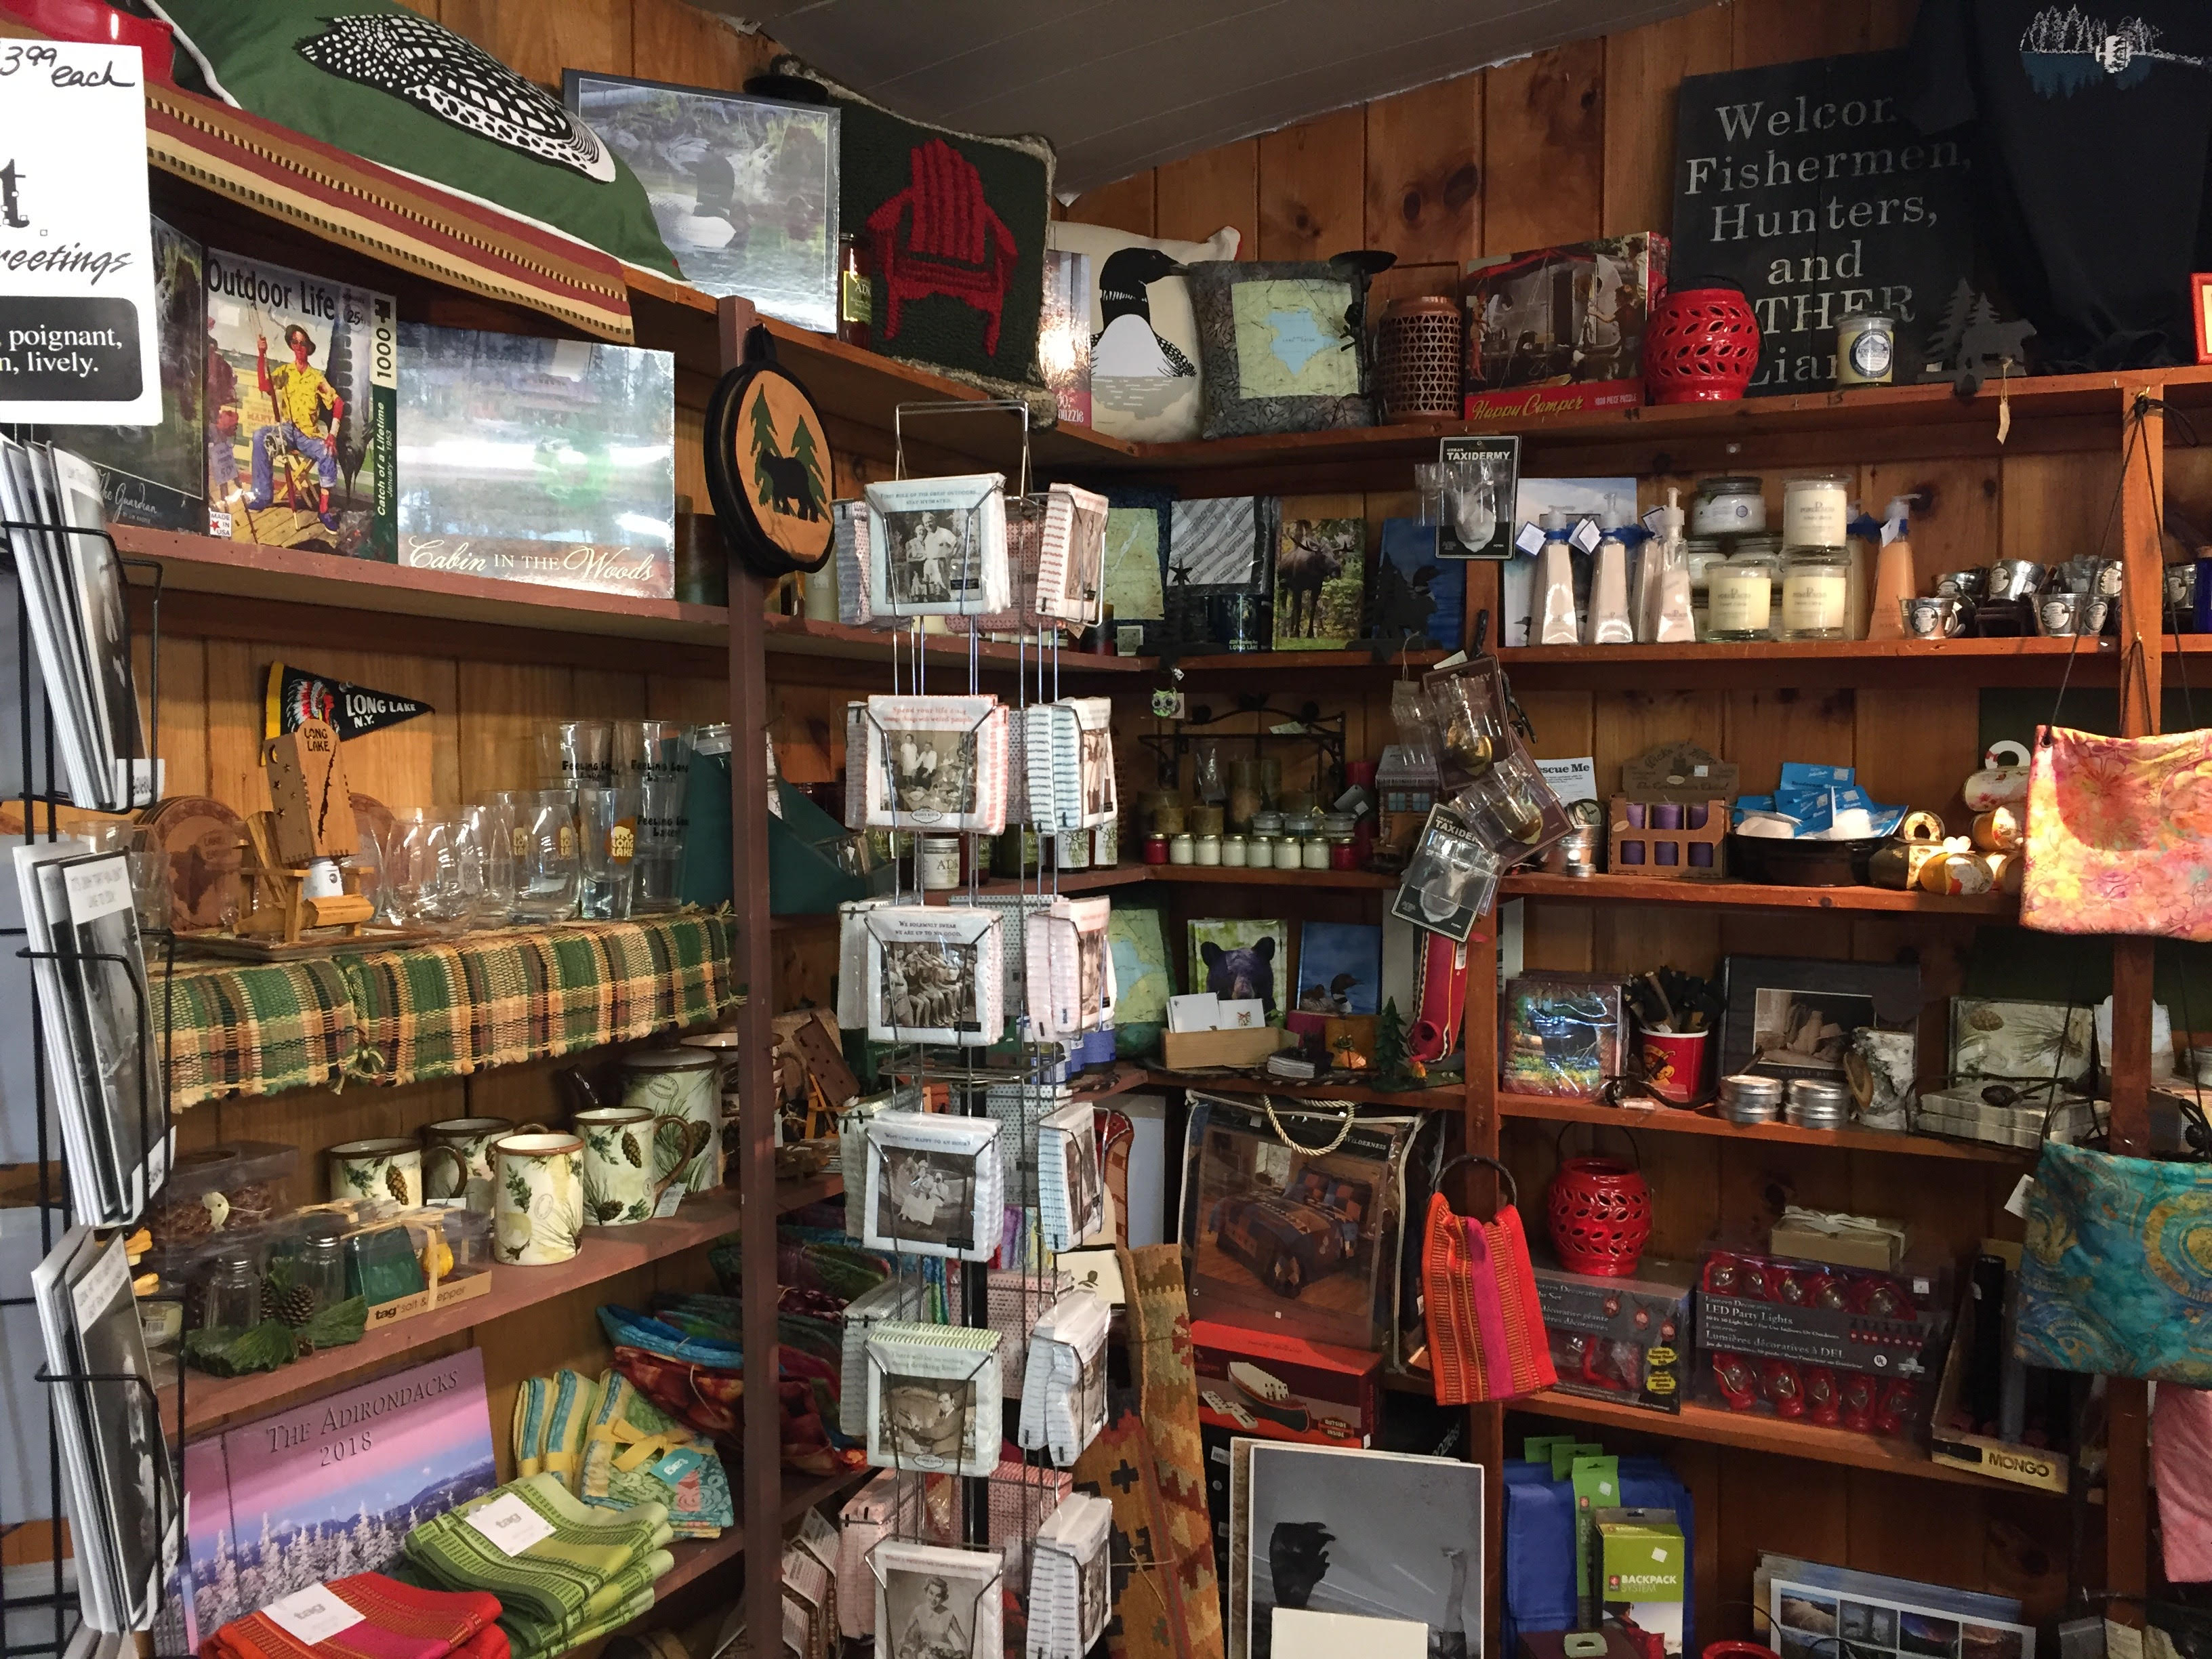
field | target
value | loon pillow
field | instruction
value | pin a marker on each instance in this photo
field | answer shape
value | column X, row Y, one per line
column 1278, row 352
column 1144, row 370
column 374, row 78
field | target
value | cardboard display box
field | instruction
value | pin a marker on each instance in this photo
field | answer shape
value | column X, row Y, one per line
column 1189, row 1051
column 1279, row 1387
column 1857, row 1248
column 1984, row 1454
column 1624, row 1340
column 1559, row 329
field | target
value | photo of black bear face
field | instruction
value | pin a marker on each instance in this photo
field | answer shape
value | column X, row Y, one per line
column 1243, row 974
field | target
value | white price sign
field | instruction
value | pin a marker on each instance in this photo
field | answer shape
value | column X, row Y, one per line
column 79, row 339
column 311, row 1615
column 510, row 1523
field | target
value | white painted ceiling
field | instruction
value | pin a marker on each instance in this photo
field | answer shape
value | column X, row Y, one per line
column 1123, row 85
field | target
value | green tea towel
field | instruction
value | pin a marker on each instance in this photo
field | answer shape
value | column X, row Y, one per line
column 606, row 1602
column 626, row 1452
column 555, row 1577
column 530, row 1398
column 636, row 1607
column 566, row 1420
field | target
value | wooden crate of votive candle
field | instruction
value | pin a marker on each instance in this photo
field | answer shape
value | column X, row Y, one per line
column 1674, row 840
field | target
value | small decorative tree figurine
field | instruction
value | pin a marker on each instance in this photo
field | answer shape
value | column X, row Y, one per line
column 1392, row 1065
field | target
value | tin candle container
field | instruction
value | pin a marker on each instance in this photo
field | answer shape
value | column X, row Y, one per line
column 2014, row 579
column 1815, row 1104
column 1745, row 1098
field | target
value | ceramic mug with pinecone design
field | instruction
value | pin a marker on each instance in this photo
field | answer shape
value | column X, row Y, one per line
column 389, row 1171
column 537, row 1214
column 471, row 1140
column 620, row 1183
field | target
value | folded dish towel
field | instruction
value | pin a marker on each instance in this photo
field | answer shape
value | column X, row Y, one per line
column 397, row 1621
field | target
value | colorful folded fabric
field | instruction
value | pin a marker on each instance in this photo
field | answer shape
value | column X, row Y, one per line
column 636, row 1607
column 550, row 1415
column 636, row 1453
column 530, row 1395
column 490, row 1643
column 555, row 1578
column 397, row 1621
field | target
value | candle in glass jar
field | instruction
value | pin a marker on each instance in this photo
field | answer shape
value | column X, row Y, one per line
column 1816, row 510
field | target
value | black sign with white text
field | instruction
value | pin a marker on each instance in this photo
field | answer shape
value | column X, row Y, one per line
column 1804, row 184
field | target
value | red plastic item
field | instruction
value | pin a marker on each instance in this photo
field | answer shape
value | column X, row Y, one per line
column 1823, row 1400
column 1700, row 346
column 1599, row 1211
column 1783, row 1388
column 100, row 24
column 1739, row 1651
column 1739, row 1385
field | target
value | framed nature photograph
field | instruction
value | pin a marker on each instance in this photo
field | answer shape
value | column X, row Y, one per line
column 1789, row 1018
column 2023, row 1042
column 744, row 190
column 1320, row 583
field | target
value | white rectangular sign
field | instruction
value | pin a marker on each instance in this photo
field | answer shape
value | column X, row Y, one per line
column 79, row 339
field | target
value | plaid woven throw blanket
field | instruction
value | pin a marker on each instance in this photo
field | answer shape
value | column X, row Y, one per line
column 260, row 1029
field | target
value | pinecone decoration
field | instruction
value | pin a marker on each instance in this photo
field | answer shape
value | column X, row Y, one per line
column 632, row 1151
column 283, row 1299
column 606, row 1210
column 396, row 1184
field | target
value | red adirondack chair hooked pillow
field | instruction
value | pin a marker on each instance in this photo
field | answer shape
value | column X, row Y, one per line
column 940, row 236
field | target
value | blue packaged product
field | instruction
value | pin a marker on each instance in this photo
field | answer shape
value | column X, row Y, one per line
column 1803, row 775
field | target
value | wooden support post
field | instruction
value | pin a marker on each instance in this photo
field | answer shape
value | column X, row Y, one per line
column 2142, row 494
column 1481, row 1190
column 752, row 965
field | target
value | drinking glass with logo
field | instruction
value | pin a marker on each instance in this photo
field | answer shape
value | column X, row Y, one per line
column 546, row 867
column 573, row 753
column 606, row 824
column 656, row 760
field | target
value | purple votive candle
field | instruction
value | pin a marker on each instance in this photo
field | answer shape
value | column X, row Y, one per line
column 1699, row 817
column 1666, row 815
column 1636, row 819
column 1666, row 851
column 1631, row 852
column 1701, row 855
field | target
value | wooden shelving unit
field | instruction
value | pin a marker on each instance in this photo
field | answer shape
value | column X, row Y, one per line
column 1751, row 1431
column 1757, row 896
column 607, row 1251
column 1213, row 876
column 1670, row 1120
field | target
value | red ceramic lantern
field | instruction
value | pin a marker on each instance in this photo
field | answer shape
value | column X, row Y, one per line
column 1700, row 346
column 1599, row 1211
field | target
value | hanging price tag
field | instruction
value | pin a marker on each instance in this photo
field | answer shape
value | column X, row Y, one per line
column 510, row 1523
column 311, row 1615
column 675, row 1195
column 2017, row 1204
column 678, row 1463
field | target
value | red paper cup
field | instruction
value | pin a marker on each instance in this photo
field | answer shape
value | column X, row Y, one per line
column 1674, row 1063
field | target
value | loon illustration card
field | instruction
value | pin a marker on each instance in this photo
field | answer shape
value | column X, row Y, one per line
column 301, row 406
column 551, row 462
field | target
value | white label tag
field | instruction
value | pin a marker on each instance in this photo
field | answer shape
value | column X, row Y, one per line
column 2017, row 1204
column 510, row 1523
column 311, row 1615
column 1530, row 538
column 669, row 1201
column 101, row 888
column 1585, row 535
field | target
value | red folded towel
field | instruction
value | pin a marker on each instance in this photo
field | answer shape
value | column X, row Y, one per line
column 397, row 1621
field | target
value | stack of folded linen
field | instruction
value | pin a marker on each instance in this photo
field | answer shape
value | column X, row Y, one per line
column 366, row 1616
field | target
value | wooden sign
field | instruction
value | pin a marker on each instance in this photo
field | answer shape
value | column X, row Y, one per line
column 1804, row 184
column 307, row 787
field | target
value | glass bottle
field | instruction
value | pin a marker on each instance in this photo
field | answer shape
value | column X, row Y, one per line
column 1816, row 594
column 1739, row 591
column 856, row 298
column 234, row 1293
column 322, row 1269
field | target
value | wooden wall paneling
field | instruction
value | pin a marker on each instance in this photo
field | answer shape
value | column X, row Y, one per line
column 1424, row 169
column 1890, row 23
column 1776, row 1504
column 671, row 41
column 1915, row 750
column 1544, row 149
column 183, row 739
column 695, row 701
column 540, row 41
column 1783, row 31
column 1200, row 194
column 315, row 1120
column 1642, row 69
column 1125, row 204
column 506, row 707
column 1766, row 727
column 235, row 672
column 1956, row 511
column 2055, row 507
column 1313, row 187
column 691, row 457
column 1890, row 1533
column 603, row 695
